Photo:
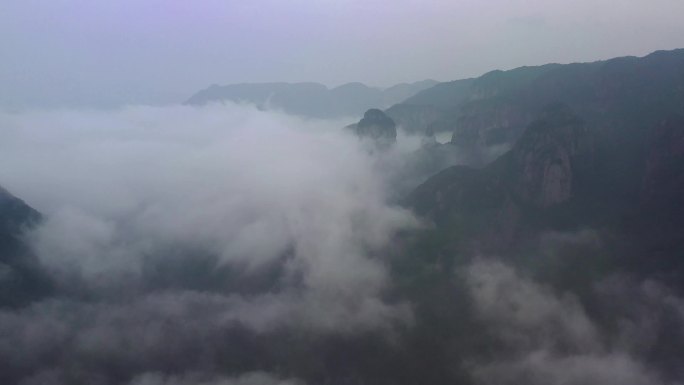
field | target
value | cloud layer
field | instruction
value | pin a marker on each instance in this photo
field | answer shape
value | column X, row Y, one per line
column 546, row 337
column 168, row 228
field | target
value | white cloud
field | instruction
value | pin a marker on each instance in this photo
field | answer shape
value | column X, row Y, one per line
column 253, row 188
column 547, row 337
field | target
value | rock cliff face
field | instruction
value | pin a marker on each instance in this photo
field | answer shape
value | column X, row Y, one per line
column 538, row 174
column 544, row 157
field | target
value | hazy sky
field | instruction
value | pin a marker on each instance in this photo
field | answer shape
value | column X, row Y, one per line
column 97, row 52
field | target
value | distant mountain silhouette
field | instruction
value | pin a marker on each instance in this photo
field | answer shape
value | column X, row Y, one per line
column 311, row 99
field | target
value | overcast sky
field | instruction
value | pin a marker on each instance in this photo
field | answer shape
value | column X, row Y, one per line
column 103, row 53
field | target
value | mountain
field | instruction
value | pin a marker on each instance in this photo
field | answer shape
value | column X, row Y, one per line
column 587, row 205
column 539, row 173
column 495, row 109
column 22, row 279
column 595, row 146
column 311, row 99
column 376, row 126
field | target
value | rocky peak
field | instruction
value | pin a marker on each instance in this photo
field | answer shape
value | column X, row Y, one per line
column 377, row 126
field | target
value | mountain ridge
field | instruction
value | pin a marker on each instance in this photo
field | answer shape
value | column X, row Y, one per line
column 607, row 155
column 496, row 107
column 310, row 99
